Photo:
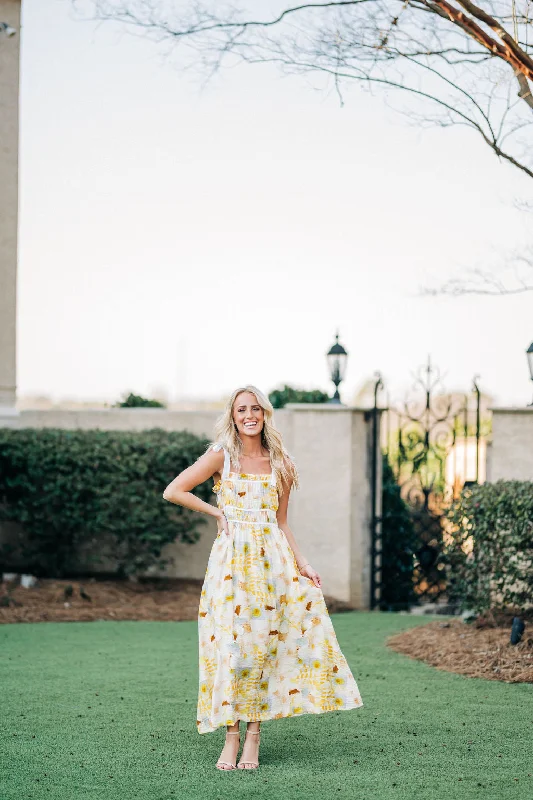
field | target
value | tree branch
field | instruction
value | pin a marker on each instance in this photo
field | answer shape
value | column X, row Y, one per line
column 450, row 52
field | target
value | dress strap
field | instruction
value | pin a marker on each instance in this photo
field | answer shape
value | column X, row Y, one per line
column 225, row 471
column 273, row 474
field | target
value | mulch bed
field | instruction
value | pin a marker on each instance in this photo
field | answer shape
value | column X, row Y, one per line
column 479, row 649
column 91, row 599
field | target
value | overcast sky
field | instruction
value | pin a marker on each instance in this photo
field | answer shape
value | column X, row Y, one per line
column 194, row 240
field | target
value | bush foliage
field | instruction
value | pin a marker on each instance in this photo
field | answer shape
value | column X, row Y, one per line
column 288, row 394
column 490, row 547
column 137, row 401
column 101, row 491
column 399, row 545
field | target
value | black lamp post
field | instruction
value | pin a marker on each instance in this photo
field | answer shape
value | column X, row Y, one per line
column 337, row 357
column 529, row 353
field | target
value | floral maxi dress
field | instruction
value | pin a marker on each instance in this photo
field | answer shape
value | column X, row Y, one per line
column 267, row 647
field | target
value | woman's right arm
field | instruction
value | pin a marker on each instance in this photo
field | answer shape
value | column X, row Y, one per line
column 179, row 491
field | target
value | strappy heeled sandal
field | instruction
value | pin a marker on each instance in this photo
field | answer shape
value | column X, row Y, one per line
column 231, row 766
column 251, row 764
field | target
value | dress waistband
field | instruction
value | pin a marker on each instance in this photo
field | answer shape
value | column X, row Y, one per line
column 252, row 516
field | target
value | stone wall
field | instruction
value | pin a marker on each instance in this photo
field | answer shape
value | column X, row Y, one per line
column 510, row 455
column 330, row 514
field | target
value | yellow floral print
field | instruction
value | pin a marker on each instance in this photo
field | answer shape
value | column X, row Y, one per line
column 267, row 648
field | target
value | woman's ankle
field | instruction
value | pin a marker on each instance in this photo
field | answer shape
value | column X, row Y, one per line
column 233, row 728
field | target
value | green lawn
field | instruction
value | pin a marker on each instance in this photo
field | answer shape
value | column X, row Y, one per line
column 92, row 710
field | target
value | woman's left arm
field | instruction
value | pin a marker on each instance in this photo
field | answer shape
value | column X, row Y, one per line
column 303, row 565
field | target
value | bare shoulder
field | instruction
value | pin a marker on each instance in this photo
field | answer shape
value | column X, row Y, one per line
column 206, row 466
column 214, row 456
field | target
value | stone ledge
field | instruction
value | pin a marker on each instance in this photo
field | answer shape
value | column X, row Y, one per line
column 512, row 410
column 320, row 407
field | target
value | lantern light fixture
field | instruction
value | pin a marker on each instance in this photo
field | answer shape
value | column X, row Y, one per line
column 337, row 358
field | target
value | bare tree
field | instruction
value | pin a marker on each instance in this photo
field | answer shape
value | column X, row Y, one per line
column 513, row 276
column 456, row 62
column 453, row 62
column 514, row 279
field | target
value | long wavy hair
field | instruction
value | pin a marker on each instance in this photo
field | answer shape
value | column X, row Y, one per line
column 227, row 435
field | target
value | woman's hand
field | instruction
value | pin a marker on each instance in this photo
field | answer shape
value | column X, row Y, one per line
column 222, row 524
column 308, row 572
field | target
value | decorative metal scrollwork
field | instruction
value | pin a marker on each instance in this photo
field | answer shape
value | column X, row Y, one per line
column 418, row 437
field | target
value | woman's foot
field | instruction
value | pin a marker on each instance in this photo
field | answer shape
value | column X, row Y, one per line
column 250, row 750
column 228, row 756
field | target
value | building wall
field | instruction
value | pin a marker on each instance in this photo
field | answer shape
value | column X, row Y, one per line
column 9, row 138
column 329, row 514
column 510, row 455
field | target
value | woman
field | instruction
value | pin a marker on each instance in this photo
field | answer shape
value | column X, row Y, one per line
column 266, row 642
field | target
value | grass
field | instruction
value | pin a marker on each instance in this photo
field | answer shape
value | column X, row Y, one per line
column 107, row 710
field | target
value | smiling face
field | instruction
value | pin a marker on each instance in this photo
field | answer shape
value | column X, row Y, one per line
column 248, row 415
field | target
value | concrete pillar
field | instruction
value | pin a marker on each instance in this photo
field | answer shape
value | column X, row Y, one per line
column 9, row 143
column 510, row 455
column 332, row 512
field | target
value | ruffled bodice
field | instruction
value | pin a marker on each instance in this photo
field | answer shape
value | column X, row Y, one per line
column 247, row 499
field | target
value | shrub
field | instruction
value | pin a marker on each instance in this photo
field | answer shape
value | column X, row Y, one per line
column 288, row 394
column 490, row 546
column 137, row 401
column 399, row 545
column 94, row 490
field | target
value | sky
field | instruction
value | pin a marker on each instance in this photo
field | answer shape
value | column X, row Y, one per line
column 185, row 240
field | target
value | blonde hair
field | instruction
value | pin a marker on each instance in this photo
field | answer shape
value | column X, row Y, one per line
column 226, row 434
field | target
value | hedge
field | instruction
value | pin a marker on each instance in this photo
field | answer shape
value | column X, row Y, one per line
column 74, row 491
column 288, row 394
column 399, row 546
column 490, row 546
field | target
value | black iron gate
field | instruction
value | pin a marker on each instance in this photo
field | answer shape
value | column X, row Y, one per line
column 427, row 447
